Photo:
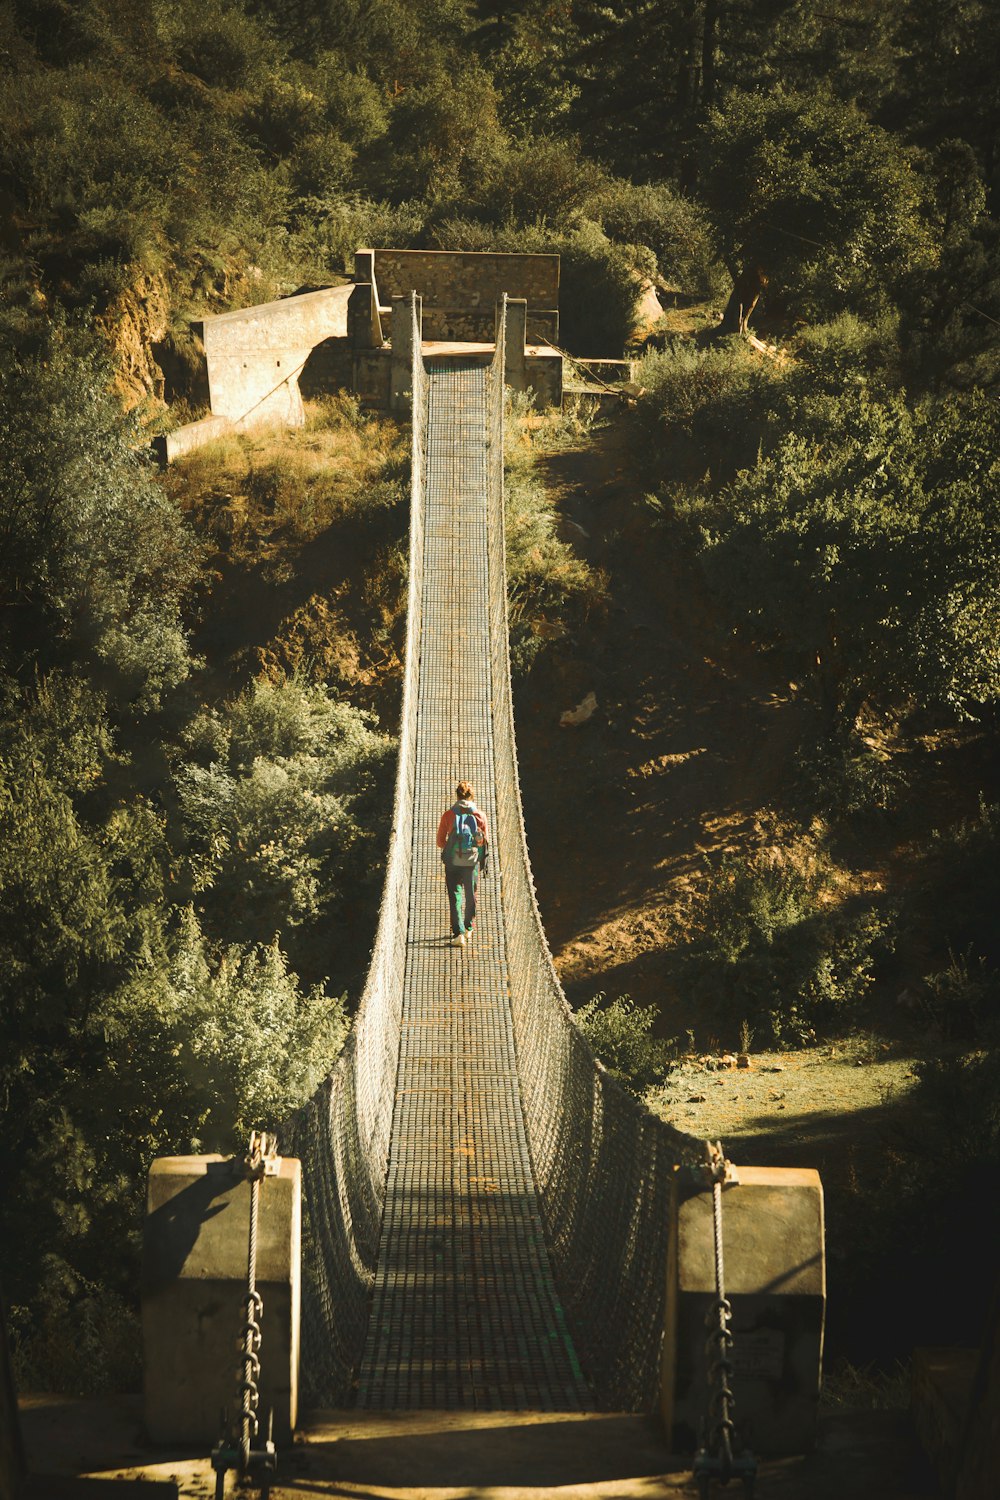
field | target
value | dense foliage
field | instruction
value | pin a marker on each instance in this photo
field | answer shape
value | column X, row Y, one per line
column 165, row 860
column 181, row 853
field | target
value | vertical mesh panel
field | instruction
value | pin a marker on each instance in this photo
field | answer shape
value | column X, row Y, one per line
column 602, row 1162
column 342, row 1134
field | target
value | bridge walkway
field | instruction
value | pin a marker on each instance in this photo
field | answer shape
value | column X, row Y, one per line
column 465, row 1312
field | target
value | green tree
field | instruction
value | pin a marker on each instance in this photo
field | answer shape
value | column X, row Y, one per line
column 832, row 207
column 865, row 544
column 94, row 559
column 284, row 817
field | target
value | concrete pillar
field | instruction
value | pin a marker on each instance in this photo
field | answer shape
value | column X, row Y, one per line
column 514, row 369
column 364, row 266
column 364, row 326
column 401, row 377
column 775, row 1278
column 194, row 1271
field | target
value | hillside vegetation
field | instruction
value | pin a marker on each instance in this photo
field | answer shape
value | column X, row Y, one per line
column 199, row 671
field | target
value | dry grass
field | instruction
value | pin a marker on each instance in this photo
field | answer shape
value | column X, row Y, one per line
column 304, row 536
column 263, row 490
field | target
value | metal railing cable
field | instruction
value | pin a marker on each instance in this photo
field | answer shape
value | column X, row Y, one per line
column 603, row 1164
column 343, row 1133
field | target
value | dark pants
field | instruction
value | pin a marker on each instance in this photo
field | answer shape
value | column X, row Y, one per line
column 466, row 878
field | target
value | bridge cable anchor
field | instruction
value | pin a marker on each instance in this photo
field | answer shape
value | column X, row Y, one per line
column 236, row 1448
column 721, row 1455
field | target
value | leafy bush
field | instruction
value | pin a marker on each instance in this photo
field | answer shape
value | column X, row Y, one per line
column 287, row 818
column 620, row 1032
column 224, row 1040
column 963, row 1000
column 779, row 948
column 127, row 1033
column 961, row 888
column 871, row 574
column 597, row 294
column 534, row 180
column 843, row 774
column 704, row 410
column 673, row 227
column 95, row 560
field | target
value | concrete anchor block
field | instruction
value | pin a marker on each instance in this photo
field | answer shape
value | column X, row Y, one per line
column 514, row 370
column 194, row 1271
column 775, row 1279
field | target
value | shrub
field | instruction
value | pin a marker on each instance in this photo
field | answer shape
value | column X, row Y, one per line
column 672, row 226
column 778, row 947
column 963, row 1000
column 533, row 180
column 620, row 1032
column 870, row 574
column 961, row 886
column 287, row 821
column 95, row 560
column 843, row 774
column 704, row 409
column 547, row 584
column 598, row 293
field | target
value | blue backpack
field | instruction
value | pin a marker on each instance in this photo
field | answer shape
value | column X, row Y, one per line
column 462, row 848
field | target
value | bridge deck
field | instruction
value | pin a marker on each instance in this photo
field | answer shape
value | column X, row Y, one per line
column 465, row 1313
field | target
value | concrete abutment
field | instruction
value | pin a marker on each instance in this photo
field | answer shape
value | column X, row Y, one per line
column 194, row 1276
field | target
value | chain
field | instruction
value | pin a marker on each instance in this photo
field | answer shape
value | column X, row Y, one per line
column 236, row 1450
column 716, row 1457
column 253, row 1304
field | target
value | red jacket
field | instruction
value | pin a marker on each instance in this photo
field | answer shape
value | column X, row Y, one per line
column 446, row 827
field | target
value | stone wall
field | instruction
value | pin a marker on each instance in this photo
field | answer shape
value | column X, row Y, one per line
column 461, row 288
column 255, row 355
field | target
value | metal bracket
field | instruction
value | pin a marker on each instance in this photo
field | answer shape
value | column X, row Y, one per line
column 262, row 1159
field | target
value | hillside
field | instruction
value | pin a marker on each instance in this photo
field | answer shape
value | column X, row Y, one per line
column 778, row 577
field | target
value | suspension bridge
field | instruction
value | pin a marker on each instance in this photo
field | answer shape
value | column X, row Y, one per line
column 468, row 1156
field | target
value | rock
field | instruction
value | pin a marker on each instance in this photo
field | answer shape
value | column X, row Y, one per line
column 774, row 1068
column 742, row 1060
column 727, row 1060
column 697, row 1098
column 579, row 715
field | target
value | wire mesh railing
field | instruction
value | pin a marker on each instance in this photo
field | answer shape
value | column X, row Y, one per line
column 603, row 1164
column 343, row 1133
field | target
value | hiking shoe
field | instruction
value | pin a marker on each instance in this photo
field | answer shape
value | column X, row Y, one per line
column 469, row 931
column 458, row 941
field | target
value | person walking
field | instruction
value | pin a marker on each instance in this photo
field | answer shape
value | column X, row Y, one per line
column 463, row 839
